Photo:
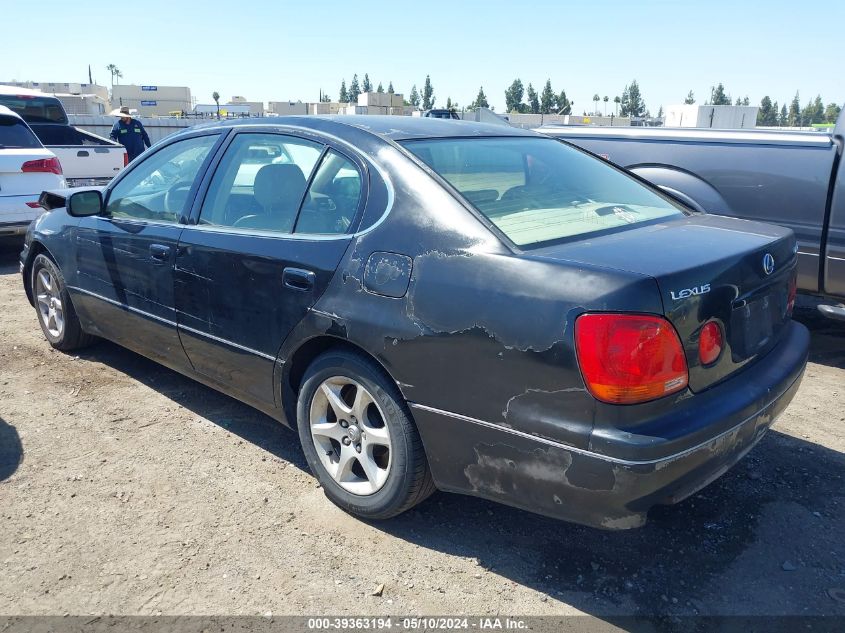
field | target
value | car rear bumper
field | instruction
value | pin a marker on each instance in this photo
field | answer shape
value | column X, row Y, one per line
column 596, row 488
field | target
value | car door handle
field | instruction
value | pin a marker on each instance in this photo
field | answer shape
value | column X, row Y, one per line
column 298, row 279
column 159, row 252
column 82, row 153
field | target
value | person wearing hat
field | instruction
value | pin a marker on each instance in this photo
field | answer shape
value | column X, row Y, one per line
column 130, row 133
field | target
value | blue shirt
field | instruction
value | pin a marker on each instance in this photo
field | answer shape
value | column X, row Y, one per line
column 131, row 135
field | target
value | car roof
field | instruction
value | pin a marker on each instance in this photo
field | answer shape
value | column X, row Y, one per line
column 395, row 128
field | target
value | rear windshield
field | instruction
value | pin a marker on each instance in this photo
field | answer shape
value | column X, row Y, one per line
column 15, row 134
column 538, row 190
column 33, row 109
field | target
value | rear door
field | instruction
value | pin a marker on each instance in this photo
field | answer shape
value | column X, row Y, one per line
column 834, row 248
column 125, row 257
column 272, row 227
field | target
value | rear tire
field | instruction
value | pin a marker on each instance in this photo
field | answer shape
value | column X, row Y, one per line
column 53, row 306
column 359, row 439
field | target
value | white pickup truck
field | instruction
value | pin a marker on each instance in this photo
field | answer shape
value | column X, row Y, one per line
column 87, row 160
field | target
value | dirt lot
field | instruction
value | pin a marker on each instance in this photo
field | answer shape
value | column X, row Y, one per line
column 126, row 488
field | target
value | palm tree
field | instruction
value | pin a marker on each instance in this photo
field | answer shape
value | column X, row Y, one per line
column 617, row 101
column 596, row 99
column 216, row 96
column 115, row 73
column 605, row 99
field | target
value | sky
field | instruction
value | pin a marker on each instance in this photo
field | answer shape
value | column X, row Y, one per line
column 292, row 49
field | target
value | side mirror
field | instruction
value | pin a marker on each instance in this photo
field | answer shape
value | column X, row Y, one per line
column 84, row 203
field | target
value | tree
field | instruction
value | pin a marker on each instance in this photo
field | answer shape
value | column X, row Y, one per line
column 794, row 112
column 325, row 98
column 390, row 88
column 354, row 89
column 547, row 98
column 775, row 114
column 427, row 94
column 632, row 103
column 596, row 99
column 564, row 105
column 343, row 97
column 380, row 88
column 746, row 101
column 115, row 73
column 216, row 96
column 533, row 100
column 660, row 113
column 480, row 100
column 784, row 117
column 617, row 101
column 414, row 97
column 513, row 96
column 448, row 103
column 813, row 113
column 831, row 113
column 366, row 86
column 605, row 99
column 767, row 114
column 690, row 98
column 718, row 96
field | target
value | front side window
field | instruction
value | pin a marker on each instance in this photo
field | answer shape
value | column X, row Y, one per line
column 260, row 183
column 538, row 190
column 159, row 186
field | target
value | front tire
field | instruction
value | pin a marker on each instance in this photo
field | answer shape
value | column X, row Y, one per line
column 359, row 439
column 56, row 315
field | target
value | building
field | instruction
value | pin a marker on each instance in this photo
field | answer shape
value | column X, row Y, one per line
column 723, row 117
column 256, row 108
column 152, row 100
column 326, row 107
column 283, row 108
column 70, row 88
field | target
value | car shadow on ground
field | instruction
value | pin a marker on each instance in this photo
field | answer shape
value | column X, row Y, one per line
column 827, row 345
column 11, row 450
column 247, row 423
column 682, row 555
column 10, row 251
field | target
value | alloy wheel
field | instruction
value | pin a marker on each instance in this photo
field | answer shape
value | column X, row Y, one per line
column 49, row 300
column 350, row 435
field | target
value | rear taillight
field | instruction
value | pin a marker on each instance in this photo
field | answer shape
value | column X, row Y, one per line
column 43, row 165
column 710, row 343
column 125, row 159
column 629, row 358
column 793, row 292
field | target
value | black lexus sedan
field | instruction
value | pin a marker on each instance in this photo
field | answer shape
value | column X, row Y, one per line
column 437, row 305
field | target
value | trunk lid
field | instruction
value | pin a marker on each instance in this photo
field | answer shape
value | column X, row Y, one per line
column 708, row 268
column 14, row 182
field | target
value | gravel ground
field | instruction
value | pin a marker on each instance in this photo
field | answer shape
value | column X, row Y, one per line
column 126, row 488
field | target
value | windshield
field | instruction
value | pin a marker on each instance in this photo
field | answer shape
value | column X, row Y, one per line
column 15, row 134
column 33, row 109
column 538, row 190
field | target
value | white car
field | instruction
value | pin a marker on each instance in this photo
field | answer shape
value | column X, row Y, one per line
column 26, row 169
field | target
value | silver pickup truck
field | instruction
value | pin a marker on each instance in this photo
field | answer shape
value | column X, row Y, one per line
column 795, row 179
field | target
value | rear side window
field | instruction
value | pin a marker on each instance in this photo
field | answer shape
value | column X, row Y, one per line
column 15, row 134
column 34, row 109
column 332, row 200
column 260, row 183
column 537, row 190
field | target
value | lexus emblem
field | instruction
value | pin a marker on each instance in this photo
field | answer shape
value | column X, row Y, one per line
column 768, row 264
